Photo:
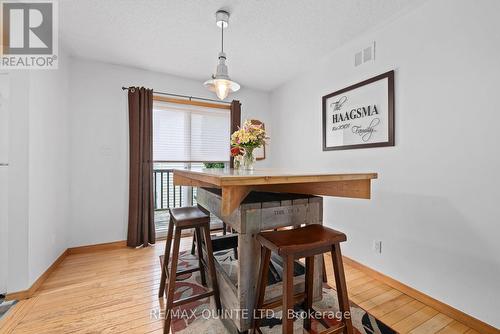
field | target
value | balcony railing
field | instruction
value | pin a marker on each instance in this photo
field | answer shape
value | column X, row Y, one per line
column 166, row 195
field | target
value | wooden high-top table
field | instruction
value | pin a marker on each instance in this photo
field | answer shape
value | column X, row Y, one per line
column 249, row 217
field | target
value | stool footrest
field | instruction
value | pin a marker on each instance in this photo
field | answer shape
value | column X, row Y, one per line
column 276, row 302
column 188, row 271
column 181, row 272
column 192, row 298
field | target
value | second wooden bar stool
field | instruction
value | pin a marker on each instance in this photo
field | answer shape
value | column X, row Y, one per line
column 292, row 245
column 180, row 219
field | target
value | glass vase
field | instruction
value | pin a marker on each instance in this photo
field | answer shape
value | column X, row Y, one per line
column 248, row 159
column 237, row 161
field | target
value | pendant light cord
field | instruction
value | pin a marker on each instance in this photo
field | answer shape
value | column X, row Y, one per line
column 222, row 37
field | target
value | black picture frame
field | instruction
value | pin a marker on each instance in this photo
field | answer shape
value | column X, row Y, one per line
column 390, row 95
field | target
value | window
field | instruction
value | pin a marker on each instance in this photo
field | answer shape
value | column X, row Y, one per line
column 186, row 133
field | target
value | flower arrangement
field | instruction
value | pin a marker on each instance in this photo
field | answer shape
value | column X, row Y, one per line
column 250, row 136
column 236, row 151
column 247, row 138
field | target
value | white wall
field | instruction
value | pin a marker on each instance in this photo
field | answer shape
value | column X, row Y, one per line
column 49, row 183
column 435, row 204
column 99, row 142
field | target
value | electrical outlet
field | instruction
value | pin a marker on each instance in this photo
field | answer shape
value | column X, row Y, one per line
column 377, row 246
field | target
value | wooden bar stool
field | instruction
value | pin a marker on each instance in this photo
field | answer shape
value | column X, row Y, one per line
column 181, row 219
column 291, row 245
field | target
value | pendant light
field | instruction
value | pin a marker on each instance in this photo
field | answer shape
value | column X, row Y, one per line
column 220, row 83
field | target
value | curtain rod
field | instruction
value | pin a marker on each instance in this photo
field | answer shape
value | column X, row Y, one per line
column 185, row 96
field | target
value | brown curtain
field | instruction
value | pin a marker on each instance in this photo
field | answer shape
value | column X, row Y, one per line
column 235, row 121
column 141, row 229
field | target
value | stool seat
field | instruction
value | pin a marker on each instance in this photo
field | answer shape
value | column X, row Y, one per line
column 299, row 240
column 188, row 216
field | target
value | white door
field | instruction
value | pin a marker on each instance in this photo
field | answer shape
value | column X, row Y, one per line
column 4, row 162
column 4, row 118
column 3, row 229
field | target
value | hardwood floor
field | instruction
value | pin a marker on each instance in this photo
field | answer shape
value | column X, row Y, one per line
column 401, row 312
column 115, row 291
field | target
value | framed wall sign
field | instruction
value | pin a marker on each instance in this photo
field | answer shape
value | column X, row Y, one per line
column 361, row 115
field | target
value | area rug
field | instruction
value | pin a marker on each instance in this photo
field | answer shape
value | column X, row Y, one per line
column 195, row 317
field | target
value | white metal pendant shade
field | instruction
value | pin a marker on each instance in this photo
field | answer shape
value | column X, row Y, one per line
column 221, row 83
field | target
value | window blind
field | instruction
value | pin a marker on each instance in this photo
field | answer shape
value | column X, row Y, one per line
column 190, row 133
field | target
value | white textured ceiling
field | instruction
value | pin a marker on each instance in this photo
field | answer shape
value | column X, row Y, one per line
column 267, row 42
